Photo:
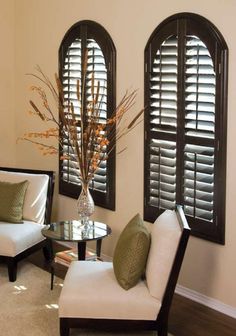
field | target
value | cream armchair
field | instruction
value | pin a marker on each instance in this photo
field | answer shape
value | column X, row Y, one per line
column 18, row 240
column 91, row 296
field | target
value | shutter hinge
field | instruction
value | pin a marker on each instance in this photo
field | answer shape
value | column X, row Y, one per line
column 145, row 201
column 219, row 70
column 145, row 67
column 145, row 135
column 218, row 145
column 216, row 220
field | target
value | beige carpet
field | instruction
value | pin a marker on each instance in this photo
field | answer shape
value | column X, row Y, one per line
column 29, row 308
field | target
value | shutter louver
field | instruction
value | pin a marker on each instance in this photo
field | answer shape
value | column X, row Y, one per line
column 199, row 123
column 97, row 66
column 71, row 72
column 199, row 181
column 163, row 87
column 162, row 174
column 199, row 90
column 163, row 118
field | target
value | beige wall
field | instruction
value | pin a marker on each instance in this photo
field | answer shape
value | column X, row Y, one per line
column 40, row 26
column 7, row 71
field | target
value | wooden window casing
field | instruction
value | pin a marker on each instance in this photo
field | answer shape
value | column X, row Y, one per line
column 90, row 36
column 186, row 61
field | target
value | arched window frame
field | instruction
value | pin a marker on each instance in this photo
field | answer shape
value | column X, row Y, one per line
column 84, row 30
column 181, row 25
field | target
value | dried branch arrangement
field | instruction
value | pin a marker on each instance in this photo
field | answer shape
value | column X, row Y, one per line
column 90, row 138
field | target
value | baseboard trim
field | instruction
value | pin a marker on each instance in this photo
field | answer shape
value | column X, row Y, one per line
column 106, row 257
column 206, row 301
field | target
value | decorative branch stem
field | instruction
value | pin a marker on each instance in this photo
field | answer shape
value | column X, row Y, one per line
column 90, row 141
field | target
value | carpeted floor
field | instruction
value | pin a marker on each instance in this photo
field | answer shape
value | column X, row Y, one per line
column 29, row 308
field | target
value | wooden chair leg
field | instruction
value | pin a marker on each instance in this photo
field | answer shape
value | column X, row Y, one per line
column 162, row 329
column 64, row 328
column 12, row 269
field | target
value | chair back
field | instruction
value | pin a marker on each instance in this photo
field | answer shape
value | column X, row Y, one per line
column 39, row 196
column 177, row 262
column 169, row 238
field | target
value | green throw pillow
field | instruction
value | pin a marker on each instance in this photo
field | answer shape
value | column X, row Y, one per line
column 131, row 253
column 12, row 197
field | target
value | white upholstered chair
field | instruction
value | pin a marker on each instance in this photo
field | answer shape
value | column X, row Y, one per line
column 91, row 296
column 19, row 240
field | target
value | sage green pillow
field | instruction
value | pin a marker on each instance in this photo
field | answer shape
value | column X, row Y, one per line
column 131, row 253
column 12, row 197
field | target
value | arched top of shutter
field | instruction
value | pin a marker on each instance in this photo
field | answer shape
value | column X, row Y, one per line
column 203, row 26
column 90, row 30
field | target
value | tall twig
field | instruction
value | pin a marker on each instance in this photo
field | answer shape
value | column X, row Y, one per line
column 90, row 140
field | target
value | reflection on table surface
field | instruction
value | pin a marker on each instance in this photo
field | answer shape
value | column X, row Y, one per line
column 73, row 230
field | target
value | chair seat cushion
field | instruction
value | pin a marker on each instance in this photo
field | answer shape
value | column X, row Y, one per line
column 15, row 238
column 90, row 290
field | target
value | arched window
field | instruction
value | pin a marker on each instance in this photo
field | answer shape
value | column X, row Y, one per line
column 101, row 61
column 186, row 123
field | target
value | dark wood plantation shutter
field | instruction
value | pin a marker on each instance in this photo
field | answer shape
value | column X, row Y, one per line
column 90, row 36
column 199, row 151
column 97, row 65
column 163, row 125
column 70, row 73
column 185, row 123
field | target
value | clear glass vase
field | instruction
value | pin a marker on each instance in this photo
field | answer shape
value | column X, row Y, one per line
column 85, row 205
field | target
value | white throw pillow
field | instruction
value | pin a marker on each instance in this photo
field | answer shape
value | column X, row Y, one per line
column 36, row 193
column 165, row 236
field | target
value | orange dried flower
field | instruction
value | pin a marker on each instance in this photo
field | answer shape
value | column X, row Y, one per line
column 89, row 141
